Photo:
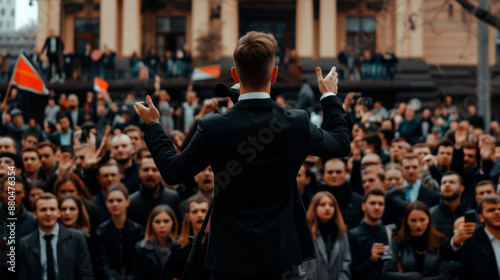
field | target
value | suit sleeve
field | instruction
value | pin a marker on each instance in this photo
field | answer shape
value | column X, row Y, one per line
column 84, row 268
column 103, row 259
column 23, row 264
column 176, row 168
column 45, row 45
column 461, row 255
column 333, row 140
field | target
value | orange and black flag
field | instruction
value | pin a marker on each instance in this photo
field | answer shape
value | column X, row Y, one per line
column 25, row 77
column 32, row 91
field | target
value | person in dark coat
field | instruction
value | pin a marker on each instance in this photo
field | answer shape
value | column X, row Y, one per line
column 415, row 248
column 117, row 237
column 152, row 61
column 39, row 250
column 475, row 248
column 154, row 253
column 54, row 46
column 225, row 141
column 334, row 181
column 150, row 194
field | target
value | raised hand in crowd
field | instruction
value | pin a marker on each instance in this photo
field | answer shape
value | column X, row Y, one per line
column 66, row 163
column 486, row 147
column 460, row 135
column 329, row 83
column 95, row 155
column 148, row 114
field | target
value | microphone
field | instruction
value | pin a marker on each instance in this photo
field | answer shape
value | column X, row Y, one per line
column 222, row 90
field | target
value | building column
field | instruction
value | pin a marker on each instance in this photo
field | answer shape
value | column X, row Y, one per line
column 327, row 28
column 200, row 16
column 409, row 42
column 304, row 22
column 108, row 25
column 230, row 26
column 131, row 26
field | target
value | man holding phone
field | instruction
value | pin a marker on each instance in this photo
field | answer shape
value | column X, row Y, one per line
column 478, row 250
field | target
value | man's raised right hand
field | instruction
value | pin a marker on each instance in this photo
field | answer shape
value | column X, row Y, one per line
column 329, row 83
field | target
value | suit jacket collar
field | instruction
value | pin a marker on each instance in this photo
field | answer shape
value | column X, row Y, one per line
column 255, row 103
column 484, row 241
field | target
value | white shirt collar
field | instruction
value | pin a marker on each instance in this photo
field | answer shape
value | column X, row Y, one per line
column 491, row 237
column 54, row 232
column 254, row 95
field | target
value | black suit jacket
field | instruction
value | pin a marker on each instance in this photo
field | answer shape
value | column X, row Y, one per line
column 256, row 148
column 73, row 256
column 80, row 118
column 428, row 196
column 59, row 46
column 476, row 255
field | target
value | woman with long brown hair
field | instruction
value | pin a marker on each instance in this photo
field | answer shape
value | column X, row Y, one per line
column 154, row 252
column 330, row 239
column 415, row 248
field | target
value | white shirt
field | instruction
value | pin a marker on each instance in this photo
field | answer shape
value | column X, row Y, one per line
column 495, row 243
column 53, row 45
column 264, row 95
column 414, row 191
column 43, row 250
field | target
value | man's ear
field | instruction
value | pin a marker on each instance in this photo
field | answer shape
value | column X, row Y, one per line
column 234, row 74
column 274, row 75
column 363, row 206
column 481, row 218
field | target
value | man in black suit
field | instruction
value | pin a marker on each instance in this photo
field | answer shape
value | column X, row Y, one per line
column 475, row 249
column 258, row 227
column 414, row 190
column 54, row 47
column 53, row 251
column 76, row 115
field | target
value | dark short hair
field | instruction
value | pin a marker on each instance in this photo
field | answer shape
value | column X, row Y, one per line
column 374, row 139
column 484, row 183
column 399, row 139
column 44, row 196
column 492, row 199
column 46, row 144
column 254, row 58
column 410, row 156
column 26, row 150
column 444, row 143
column 373, row 191
column 451, row 172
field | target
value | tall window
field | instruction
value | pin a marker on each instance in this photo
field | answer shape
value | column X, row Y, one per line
column 86, row 31
column 361, row 33
column 170, row 34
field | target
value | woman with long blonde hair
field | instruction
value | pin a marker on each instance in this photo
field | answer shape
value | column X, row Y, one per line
column 330, row 240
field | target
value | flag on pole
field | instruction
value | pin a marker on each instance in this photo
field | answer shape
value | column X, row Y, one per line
column 100, row 84
column 25, row 77
column 206, row 73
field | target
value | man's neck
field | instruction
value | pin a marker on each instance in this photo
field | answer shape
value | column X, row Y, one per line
column 125, row 166
column 411, row 183
column 47, row 229
column 47, row 172
column 495, row 232
column 372, row 222
column 16, row 212
column 453, row 204
column 444, row 167
column 32, row 175
column 207, row 197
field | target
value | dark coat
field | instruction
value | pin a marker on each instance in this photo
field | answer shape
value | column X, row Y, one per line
column 476, row 256
column 141, row 204
column 109, row 242
column 428, row 196
column 434, row 267
column 149, row 263
column 73, row 256
column 253, row 140
column 443, row 218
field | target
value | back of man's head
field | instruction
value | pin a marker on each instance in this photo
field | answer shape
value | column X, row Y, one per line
column 254, row 58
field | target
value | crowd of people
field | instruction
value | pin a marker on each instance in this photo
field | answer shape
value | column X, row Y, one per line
column 393, row 209
column 357, row 65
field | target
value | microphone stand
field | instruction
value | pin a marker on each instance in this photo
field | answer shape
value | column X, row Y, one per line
column 197, row 242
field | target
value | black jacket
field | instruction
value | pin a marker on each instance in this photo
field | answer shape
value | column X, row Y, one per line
column 73, row 259
column 433, row 267
column 349, row 203
column 476, row 256
column 113, row 259
column 264, row 219
column 443, row 218
column 149, row 264
column 361, row 239
column 141, row 203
